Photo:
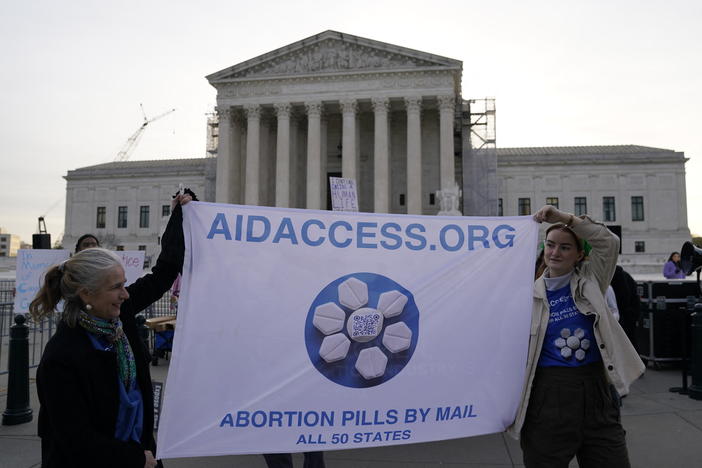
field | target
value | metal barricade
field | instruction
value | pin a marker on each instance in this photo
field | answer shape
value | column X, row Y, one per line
column 7, row 291
column 39, row 334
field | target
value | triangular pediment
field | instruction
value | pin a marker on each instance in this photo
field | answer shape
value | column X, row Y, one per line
column 333, row 52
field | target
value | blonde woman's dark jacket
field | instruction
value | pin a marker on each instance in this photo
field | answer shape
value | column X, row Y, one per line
column 78, row 384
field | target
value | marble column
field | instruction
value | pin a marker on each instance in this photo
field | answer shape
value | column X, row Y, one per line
column 295, row 174
column 266, row 169
column 282, row 157
column 349, row 159
column 236, row 184
column 224, row 157
column 381, row 156
column 253, row 134
column 314, row 155
column 446, row 159
column 414, row 154
column 324, row 125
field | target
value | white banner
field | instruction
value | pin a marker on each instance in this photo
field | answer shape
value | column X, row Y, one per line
column 305, row 330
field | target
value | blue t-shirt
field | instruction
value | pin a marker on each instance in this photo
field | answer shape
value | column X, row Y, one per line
column 569, row 340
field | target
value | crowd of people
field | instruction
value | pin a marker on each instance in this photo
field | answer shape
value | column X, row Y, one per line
column 94, row 382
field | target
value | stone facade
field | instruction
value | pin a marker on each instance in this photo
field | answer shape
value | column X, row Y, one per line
column 638, row 190
column 126, row 204
column 393, row 119
column 338, row 105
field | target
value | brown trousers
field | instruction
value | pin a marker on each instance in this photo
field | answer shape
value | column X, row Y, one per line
column 573, row 412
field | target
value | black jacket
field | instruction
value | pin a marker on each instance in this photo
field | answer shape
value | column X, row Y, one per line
column 78, row 384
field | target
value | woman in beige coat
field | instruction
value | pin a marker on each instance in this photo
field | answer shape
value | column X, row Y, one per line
column 579, row 358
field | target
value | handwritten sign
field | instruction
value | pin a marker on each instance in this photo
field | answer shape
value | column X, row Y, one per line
column 343, row 194
column 31, row 266
column 33, row 263
column 133, row 262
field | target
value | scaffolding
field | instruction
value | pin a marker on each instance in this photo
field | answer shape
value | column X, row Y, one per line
column 479, row 157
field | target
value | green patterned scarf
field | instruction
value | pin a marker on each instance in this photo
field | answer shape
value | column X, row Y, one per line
column 113, row 333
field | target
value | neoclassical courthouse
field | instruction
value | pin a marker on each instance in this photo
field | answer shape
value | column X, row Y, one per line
column 394, row 120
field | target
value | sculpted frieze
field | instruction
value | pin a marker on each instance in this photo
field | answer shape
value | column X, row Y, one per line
column 321, row 84
column 332, row 56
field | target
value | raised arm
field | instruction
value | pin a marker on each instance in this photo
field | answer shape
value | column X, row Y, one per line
column 151, row 287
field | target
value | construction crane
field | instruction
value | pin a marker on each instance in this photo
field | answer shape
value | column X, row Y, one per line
column 133, row 140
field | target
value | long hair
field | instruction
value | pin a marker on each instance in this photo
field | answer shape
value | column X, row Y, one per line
column 670, row 259
column 83, row 272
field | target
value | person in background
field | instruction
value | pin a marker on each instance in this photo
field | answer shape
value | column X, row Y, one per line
column 672, row 268
column 93, row 381
column 579, row 360
column 87, row 241
column 628, row 302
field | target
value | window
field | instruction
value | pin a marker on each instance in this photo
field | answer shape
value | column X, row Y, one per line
column 500, row 211
column 432, row 198
column 637, row 209
column 639, row 246
column 524, row 206
column 165, row 210
column 402, row 199
column 143, row 216
column 142, row 247
column 120, row 248
column 580, row 206
column 100, row 218
column 553, row 201
column 122, row 217
column 608, row 211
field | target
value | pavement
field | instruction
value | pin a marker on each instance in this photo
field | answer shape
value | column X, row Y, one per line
column 664, row 429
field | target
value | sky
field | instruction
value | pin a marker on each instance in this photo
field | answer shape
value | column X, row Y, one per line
column 563, row 73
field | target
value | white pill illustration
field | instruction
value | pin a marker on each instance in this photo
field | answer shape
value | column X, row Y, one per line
column 329, row 318
column 334, row 347
column 392, row 303
column 371, row 363
column 579, row 332
column 585, row 344
column 580, row 355
column 566, row 352
column 573, row 342
column 397, row 337
column 565, row 333
column 353, row 293
column 559, row 342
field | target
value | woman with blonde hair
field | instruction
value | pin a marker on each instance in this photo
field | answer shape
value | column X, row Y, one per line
column 579, row 359
column 93, row 380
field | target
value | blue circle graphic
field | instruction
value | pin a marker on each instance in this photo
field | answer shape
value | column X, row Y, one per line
column 343, row 371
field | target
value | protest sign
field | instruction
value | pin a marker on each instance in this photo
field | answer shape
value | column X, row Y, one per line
column 31, row 266
column 343, row 194
column 133, row 263
column 304, row 330
column 33, row 263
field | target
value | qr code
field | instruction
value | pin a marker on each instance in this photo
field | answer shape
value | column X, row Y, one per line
column 365, row 325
